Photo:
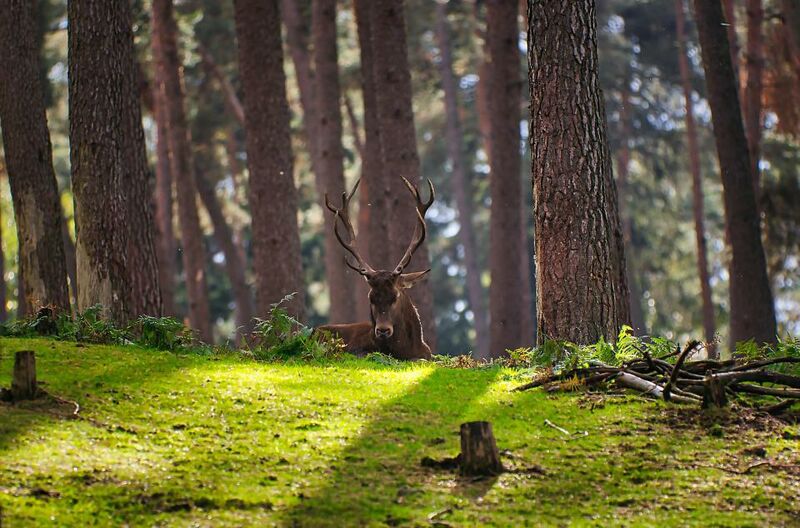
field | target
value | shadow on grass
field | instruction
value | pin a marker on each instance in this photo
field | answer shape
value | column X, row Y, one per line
column 375, row 478
column 76, row 372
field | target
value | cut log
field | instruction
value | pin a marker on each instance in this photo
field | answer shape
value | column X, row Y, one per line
column 479, row 455
column 23, row 383
column 647, row 388
column 714, row 396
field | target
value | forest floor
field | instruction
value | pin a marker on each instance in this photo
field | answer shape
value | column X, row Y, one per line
column 168, row 439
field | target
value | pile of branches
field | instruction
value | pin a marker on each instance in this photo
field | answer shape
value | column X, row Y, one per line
column 708, row 383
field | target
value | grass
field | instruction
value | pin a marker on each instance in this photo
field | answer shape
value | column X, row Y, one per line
column 185, row 440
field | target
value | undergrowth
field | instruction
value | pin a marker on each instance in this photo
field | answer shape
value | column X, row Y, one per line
column 281, row 337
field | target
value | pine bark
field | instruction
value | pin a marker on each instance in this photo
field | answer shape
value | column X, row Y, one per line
column 330, row 156
column 623, row 162
column 165, row 235
column 115, row 250
column 754, row 87
column 582, row 291
column 730, row 27
column 399, row 154
column 460, row 183
column 752, row 313
column 504, row 86
column 273, row 197
column 181, row 166
column 373, row 229
column 29, row 161
column 709, row 325
column 234, row 265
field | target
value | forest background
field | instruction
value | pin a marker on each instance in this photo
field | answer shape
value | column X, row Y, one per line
column 640, row 76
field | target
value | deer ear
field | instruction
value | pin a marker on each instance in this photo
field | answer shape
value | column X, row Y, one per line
column 408, row 280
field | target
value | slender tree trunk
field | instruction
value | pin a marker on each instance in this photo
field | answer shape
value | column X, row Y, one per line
column 69, row 258
column 273, row 197
column 399, row 143
column 374, row 194
column 754, row 87
column 709, row 325
column 730, row 27
column 181, row 166
column 623, row 162
column 791, row 18
column 234, row 265
column 752, row 312
column 505, row 300
column 239, row 190
column 232, row 102
column 297, row 35
column 29, row 161
column 460, row 183
column 164, row 204
column 330, row 158
column 3, row 286
column 372, row 191
column 581, row 284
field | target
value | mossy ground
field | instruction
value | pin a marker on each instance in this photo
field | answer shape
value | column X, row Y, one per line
column 186, row 440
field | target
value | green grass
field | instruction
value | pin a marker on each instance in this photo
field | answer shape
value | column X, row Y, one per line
column 186, row 440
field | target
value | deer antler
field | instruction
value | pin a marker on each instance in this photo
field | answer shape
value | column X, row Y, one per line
column 343, row 214
column 420, row 229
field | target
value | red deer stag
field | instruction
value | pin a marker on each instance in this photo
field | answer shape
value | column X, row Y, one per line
column 395, row 329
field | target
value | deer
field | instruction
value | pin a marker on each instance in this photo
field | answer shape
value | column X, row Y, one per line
column 395, row 328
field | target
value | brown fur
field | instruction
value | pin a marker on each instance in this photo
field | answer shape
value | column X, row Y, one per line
column 391, row 309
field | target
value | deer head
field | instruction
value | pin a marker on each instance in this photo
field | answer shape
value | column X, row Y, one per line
column 389, row 305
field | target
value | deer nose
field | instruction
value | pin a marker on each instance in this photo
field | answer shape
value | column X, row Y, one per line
column 383, row 333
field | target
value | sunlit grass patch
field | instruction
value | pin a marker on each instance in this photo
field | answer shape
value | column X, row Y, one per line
column 179, row 439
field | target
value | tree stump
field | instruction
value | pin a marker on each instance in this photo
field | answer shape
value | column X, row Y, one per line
column 479, row 455
column 714, row 396
column 23, row 383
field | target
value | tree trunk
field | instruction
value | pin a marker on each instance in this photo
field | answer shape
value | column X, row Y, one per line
column 69, row 257
column 791, row 17
column 273, row 197
column 330, row 156
column 23, row 381
column 29, row 161
column 3, row 287
column 623, row 162
column 297, row 35
column 752, row 312
column 754, row 87
column 239, row 190
column 398, row 144
column 730, row 27
column 479, row 454
column 709, row 325
column 582, row 291
column 234, row 265
column 460, row 184
column 115, row 250
column 181, row 166
column 372, row 196
column 165, row 235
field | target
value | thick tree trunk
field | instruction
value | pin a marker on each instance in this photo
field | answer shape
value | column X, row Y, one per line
column 165, row 235
column 115, row 250
column 582, row 291
column 623, row 162
column 273, row 197
column 709, row 325
column 460, row 184
column 29, row 161
column 330, row 156
column 234, row 265
column 399, row 144
column 181, row 166
column 754, row 87
column 752, row 313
